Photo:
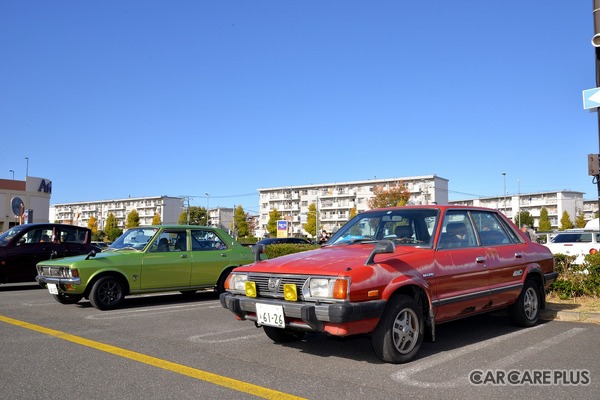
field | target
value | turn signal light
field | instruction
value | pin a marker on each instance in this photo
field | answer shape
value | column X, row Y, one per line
column 340, row 289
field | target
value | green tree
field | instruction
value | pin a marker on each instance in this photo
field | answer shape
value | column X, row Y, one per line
column 274, row 216
column 111, row 228
column 156, row 219
column 197, row 216
column 397, row 195
column 133, row 219
column 544, row 225
column 524, row 218
column 93, row 224
column 580, row 221
column 240, row 221
column 311, row 220
column 565, row 222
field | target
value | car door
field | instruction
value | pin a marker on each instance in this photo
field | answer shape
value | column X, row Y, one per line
column 168, row 267
column 506, row 256
column 461, row 283
column 210, row 255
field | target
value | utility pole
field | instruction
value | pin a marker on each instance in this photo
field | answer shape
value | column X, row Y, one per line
column 596, row 44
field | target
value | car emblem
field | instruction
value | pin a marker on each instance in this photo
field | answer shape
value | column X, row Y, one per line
column 273, row 284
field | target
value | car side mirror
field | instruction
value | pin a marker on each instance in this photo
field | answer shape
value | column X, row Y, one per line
column 384, row 246
column 92, row 253
column 258, row 249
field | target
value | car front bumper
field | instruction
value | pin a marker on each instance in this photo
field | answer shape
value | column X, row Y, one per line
column 305, row 315
column 58, row 281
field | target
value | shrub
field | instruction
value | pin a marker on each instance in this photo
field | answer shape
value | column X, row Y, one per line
column 576, row 280
column 278, row 250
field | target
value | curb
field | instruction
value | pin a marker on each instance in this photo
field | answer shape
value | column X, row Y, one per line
column 550, row 314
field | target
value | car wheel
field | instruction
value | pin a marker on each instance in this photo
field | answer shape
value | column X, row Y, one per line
column 220, row 288
column 526, row 311
column 279, row 335
column 107, row 293
column 65, row 298
column 399, row 334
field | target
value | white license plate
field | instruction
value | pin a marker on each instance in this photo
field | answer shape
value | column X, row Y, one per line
column 52, row 288
column 270, row 315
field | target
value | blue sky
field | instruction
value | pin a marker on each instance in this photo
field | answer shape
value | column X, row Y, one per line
column 110, row 99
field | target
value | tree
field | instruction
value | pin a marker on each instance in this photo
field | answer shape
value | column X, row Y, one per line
column 352, row 212
column 133, row 219
column 111, row 229
column 156, row 219
column 565, row 222
column 580, row 221
column 524, row 218
column 197, row 215
column 93, row 224
column 274, row 216
column 311, row 220
column 240, row 221
column 544, row 225
column 397, row 195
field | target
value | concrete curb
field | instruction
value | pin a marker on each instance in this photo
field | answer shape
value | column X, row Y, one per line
column 578, row 316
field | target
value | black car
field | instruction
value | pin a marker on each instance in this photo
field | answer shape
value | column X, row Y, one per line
column 23, row 246
column 289, row 240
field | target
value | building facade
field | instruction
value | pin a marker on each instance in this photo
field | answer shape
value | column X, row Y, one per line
column 334, row 201
column 556, row 203
column 168, row 208
column 33, row 194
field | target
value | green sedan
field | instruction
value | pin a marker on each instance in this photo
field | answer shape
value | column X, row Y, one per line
column 145, row 260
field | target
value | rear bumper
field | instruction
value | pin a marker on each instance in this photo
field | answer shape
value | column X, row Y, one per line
column 303, row 315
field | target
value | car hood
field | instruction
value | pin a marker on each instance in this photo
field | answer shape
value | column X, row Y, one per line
column 325, row 260
column 98, row 256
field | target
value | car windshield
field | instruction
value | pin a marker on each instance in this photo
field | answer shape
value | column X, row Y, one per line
column 405, row 226
column 134, row 239
column 6, row 237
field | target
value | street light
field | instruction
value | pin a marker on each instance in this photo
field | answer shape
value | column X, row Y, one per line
column 13, row 173
column 504, row 175
column 207, row 204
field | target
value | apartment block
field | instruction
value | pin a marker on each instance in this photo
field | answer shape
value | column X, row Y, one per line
column 334, row 201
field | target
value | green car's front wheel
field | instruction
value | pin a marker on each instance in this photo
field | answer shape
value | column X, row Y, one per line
column 107, row 293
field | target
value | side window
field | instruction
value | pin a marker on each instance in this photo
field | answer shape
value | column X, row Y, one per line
column 457, row 231
column 492, row 231
column 206, row 240
column 39, row 235
column 166, row 241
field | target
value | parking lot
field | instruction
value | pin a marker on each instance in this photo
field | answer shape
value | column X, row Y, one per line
column 166, row 346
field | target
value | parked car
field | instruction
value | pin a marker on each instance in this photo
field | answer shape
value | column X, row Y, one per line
column 23, row 246
column 575, row 243
column 288, row 240
column 396, row 273
column 146, row 260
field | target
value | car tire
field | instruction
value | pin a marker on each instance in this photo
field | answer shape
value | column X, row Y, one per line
column 526, row 311
column 107, row 293
column 220, row 287
column 64, row 298
column 399, row 334
column 279, row 335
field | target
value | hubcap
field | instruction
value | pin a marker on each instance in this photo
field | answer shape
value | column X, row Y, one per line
column 109, row 293
column 405, row 331
column 530, row 303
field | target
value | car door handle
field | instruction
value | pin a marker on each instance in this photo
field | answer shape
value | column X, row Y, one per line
column 519, row 254
column 480, row 260
column 184, row 256
column 223, row 255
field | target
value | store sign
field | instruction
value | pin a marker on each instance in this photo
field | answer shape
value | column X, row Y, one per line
column 45, row 187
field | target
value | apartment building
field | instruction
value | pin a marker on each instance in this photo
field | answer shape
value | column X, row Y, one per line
column 556, row 203
column 168, row 208
column 334, row 201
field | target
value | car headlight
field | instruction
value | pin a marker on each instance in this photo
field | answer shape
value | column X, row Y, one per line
column 327, row 288
column 237, row 282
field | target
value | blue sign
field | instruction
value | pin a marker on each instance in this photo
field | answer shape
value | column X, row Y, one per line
column 282, row 225
column 591, row 98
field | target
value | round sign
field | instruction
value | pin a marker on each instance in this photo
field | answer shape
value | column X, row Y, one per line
column 17, row 206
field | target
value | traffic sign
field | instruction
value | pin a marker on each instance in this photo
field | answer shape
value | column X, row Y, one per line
column 591, row 98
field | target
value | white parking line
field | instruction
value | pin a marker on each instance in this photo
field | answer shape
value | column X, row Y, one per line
column 405, row 376
column 149, row 311
column 201, row 338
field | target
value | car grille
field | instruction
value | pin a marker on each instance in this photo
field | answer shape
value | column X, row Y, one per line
column 272, row 285
column 53, row 271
